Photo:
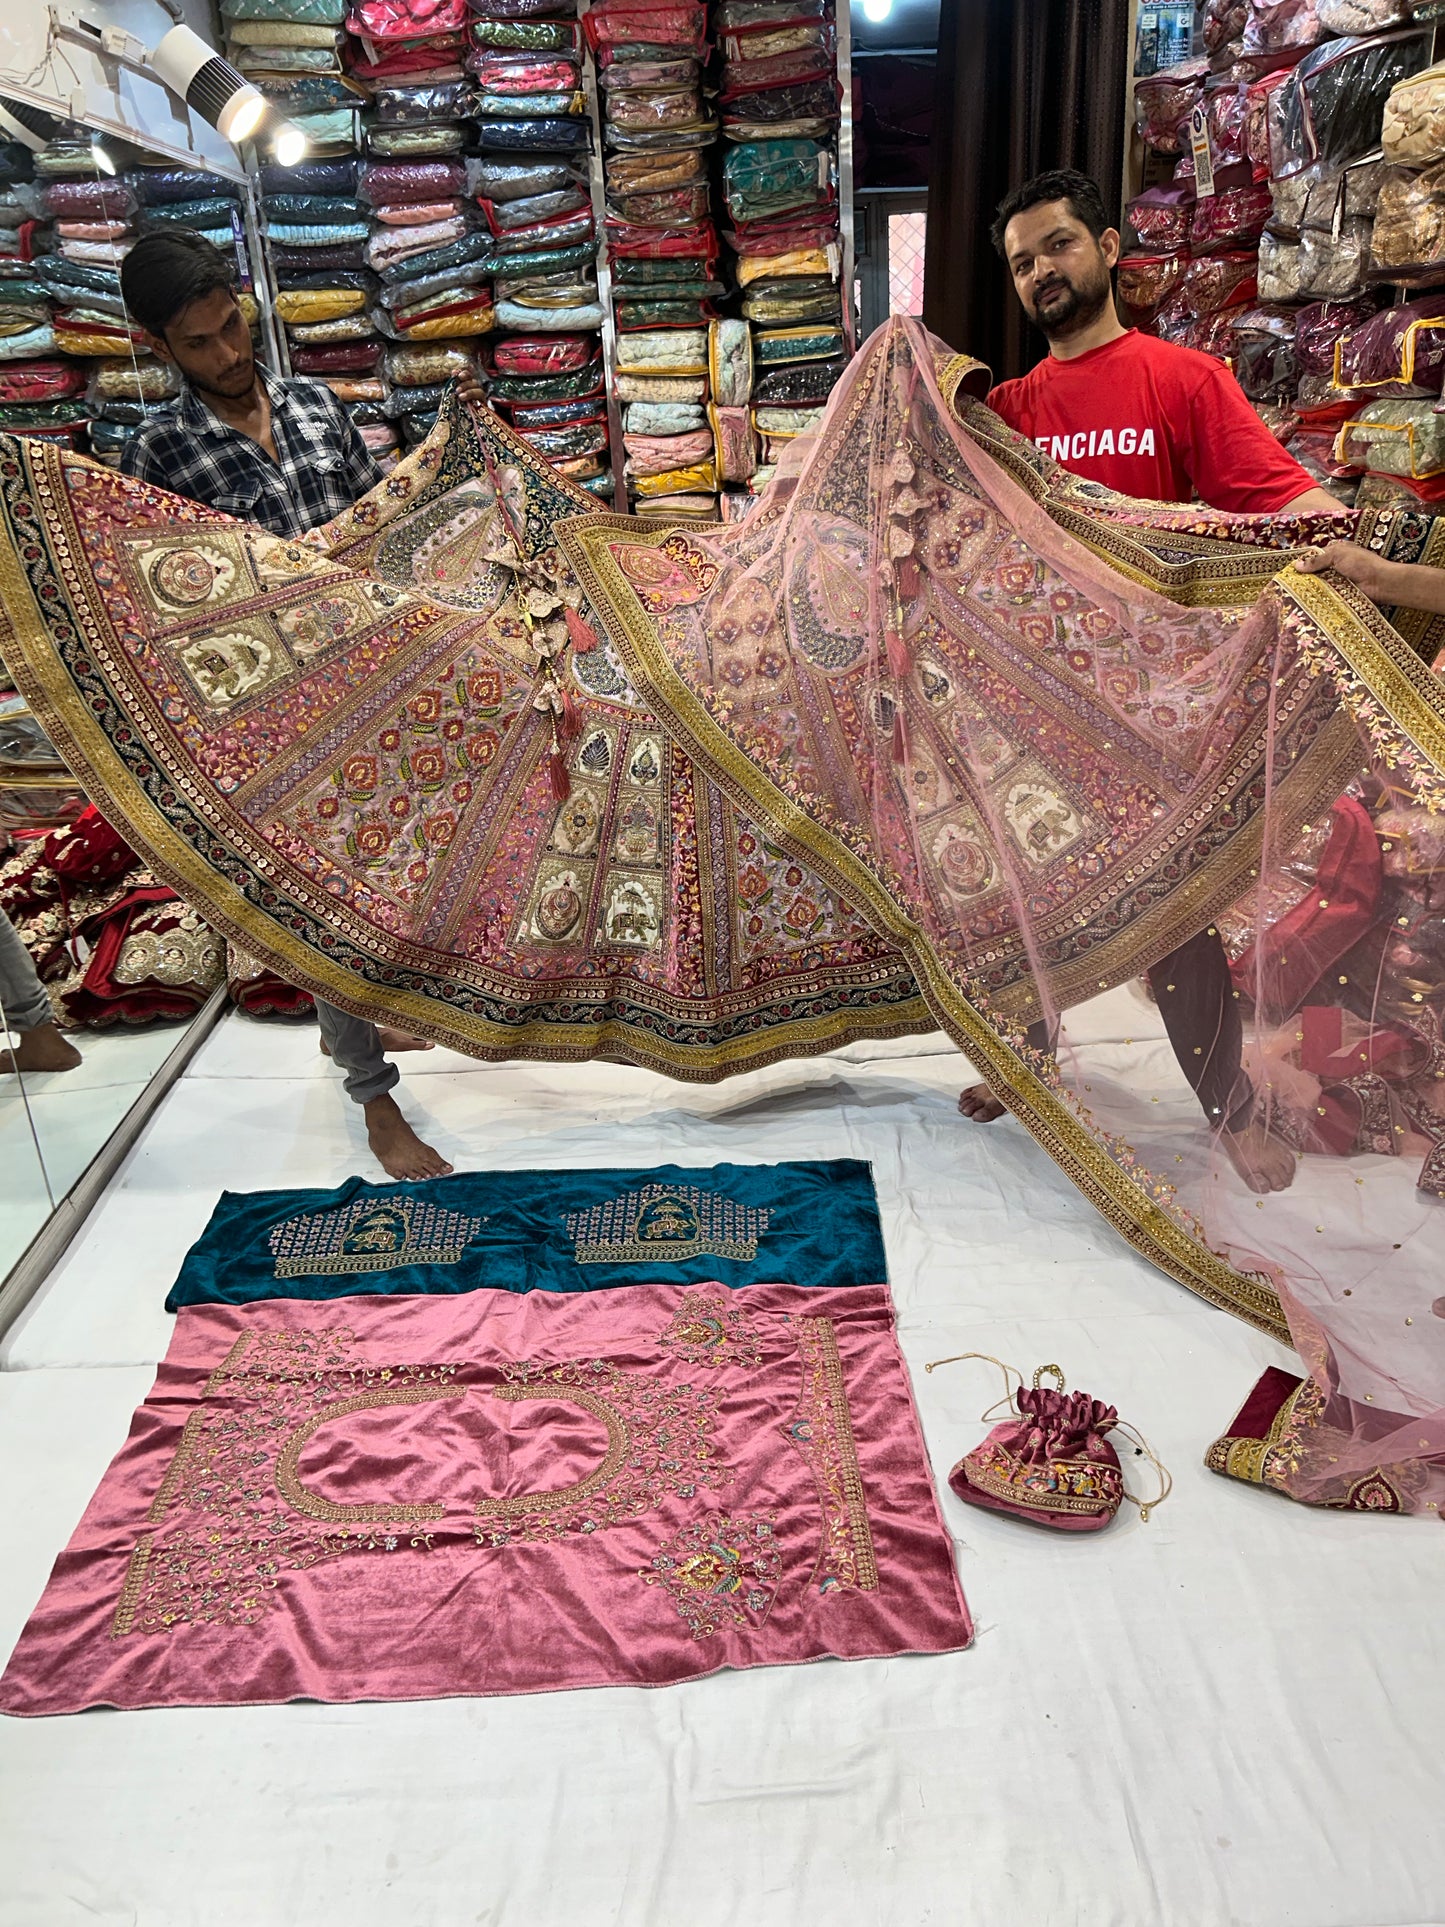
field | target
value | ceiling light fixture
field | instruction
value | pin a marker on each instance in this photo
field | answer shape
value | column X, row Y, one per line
column 210, row 85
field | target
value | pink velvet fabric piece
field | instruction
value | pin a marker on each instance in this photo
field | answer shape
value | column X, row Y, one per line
column 421, row 1498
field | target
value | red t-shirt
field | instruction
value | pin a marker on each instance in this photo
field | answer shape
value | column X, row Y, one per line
column 1151, row 419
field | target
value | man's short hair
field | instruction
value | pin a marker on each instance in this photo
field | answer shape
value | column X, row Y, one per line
column 164, row 273
column 1086, row 203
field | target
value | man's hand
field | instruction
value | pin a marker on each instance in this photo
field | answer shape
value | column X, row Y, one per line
column 470, row 389
column 1394, row 585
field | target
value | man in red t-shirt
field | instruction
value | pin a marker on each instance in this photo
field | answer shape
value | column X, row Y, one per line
column 1166, row 424
column 1139, row 415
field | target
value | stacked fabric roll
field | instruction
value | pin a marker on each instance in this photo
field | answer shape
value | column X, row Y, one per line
column 779, row 98
column 316, row 229
column 41, row 390
column 662, row 245
column 426, row 244
column 532, row 191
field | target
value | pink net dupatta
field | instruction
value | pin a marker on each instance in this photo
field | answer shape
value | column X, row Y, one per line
column 1050, row 741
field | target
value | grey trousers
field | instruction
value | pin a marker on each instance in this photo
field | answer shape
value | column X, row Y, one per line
column 23, row 1001
column 355, row 1048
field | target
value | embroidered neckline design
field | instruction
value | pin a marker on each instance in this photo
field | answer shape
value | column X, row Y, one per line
column 662, row 1224
column 371, row 1234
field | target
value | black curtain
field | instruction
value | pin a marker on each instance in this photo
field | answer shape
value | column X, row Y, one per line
column 1023, row 85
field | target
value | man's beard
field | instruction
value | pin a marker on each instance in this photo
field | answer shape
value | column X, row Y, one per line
column 236, row 386
column 1074, row 308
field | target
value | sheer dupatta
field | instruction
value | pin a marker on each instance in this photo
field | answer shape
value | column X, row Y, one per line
column 1046, row 739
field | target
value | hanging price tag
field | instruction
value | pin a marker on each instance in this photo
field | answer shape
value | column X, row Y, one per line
column 1203, row 159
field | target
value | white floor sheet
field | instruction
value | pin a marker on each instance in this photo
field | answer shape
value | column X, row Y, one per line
column 1227, row 1717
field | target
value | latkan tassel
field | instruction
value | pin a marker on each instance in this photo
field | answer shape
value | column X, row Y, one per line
column 897, row 648
column 569, row 723
column 584, row 636
column 560, row 780
column 900, row 737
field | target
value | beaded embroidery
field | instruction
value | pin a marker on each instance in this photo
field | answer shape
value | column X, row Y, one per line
column 659, row 1224
column 719, row 1571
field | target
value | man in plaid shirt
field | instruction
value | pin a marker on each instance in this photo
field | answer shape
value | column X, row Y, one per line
column 283, row 454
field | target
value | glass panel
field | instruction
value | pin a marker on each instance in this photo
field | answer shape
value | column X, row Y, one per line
column 905, row 262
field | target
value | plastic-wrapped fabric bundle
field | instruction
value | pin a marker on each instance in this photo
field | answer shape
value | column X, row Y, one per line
column 142, row 380
column 1229, row 218
column 159, row 186
column 680, row 388
column 35, row 342
column 1264, row 353
column 1217, row 281
column 548, row 136
column 1164, row 101
column 317, row 234
column 1146, row 282
column 682, row 351
column 477, row 317
column 259, row 63
column 786, row 424
column 420, row 106
column 324, row 261
column 696, row 478
column 390, row 245
column 581, row 384
column 798, row 384
column 524, row 36
column 391, row 20
column 394, row 183
column 294, row 95
column 1281, row 272
column 1319, row 329
column 735, row 447
column 319, row 304
column 662, row 418
column 649, row 455
column 1401, row 347
column 1412, row 132
column 401, row 143
column 344, row 358
column 415, row 367
column 779, row 306
column 560, row 444
column 1333, row 105
column 525, row 74
column 557, row 414
column 106, row 200
column 313, row 210
column 507, row 217
column 1334, row 266
column 313, row 178
column 566, row 230
column 517, row 314
column 40, row 381
column 730, row 362
column 1401, row 438
column 1407, row 243
column 1159, row 219
column 417, row 213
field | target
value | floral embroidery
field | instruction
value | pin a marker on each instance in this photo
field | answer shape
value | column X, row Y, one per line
column 719, row 1571
column 1048, row 1485
column 657, row 1444
column 822, row 1431
column 710, row 1328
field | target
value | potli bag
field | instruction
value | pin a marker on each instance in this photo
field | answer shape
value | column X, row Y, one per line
column 1052, row 1463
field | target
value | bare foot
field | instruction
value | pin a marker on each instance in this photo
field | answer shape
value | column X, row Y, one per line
column 391, row 1041
column 41, row 1049
column 395, row 1040
column 979, row 1104
column 1265, row 1162
column 396, row 1146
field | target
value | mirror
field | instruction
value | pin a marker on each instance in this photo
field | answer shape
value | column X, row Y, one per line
column 108, row 980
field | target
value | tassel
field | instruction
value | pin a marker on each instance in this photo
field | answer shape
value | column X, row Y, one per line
column 900, row 738
column 569, row 724
column 557, row 774
column 908, row 576
column 897, row 648
column 584, row 636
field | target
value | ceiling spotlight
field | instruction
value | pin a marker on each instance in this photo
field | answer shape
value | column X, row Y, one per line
column 32, row 125
column 877, row 10
column 212, row 86
column 289, row 144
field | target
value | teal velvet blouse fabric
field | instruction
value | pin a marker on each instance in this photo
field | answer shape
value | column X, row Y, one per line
column 812, row 1224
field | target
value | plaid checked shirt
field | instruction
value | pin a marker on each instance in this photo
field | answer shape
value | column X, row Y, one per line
column 325, row 466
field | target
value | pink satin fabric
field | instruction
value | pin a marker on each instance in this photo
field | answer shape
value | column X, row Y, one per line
column 496, row 1494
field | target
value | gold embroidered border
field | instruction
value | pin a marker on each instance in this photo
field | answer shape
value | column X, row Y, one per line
column 28, row 652
column 129, row 1602
column 618, row 1441
column 228, row 1367
column 1122, row 1200
column 1014, row 1490
column 858, row 1527
column 176, row 1470
column 288, row 1477
column 1393, row 675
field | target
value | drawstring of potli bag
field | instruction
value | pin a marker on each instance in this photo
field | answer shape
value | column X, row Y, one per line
column 1166, row 1482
